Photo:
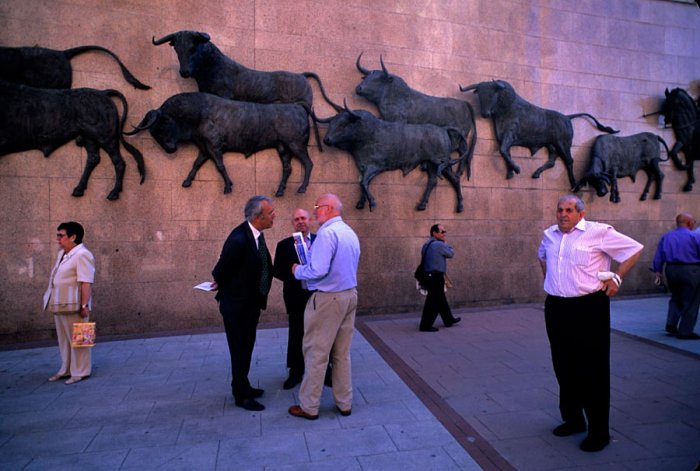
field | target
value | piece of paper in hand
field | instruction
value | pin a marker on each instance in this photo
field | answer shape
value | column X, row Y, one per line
column 205, row 286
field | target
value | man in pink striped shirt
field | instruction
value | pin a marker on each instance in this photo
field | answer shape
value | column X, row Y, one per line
column 575, row 256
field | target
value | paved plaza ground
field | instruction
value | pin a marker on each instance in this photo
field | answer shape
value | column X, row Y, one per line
column 480, row 395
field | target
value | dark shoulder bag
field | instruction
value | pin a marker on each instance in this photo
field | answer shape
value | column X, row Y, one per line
column 420, row 274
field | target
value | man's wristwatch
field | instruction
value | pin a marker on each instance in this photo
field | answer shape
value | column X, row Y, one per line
column 83, row 306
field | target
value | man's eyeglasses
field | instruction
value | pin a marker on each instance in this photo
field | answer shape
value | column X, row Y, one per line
column 61, row 236
column 316, row 206
column 442, row 232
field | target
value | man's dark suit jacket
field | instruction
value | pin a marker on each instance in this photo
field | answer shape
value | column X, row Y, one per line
column 238, row 270
column 292, row 292
column 238, row 274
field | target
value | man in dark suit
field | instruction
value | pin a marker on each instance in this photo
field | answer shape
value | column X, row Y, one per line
column 243, row 276
column 295, row 295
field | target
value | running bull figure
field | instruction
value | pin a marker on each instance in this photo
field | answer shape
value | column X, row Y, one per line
column 614, row 157
column 217, row 74
column 378, row 146
column 396, row 101
column 217, row 125
column 520, row 123
column 48, row 68
column 86, row 115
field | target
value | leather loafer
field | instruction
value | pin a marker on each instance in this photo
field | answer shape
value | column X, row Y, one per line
column 290, row 382
column 56, row 377
column 428, row 329
column 256, row 392
column 454, row 321
column 344, row 413
column 297, row 411
column 569, row 428
column 76, row 379
column 593, row 444
column 671, row 329
column 691, row 336
column 250, row 404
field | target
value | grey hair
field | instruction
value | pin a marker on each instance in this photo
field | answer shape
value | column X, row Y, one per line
column 578, row 202
column 337, row 204
column 253, row 207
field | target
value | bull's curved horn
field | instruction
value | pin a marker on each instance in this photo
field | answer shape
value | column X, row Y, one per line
column 350, row 112
column 381, row 61
column 147, row 121
column 163, row 40
column 468, row 87
column 362, row 70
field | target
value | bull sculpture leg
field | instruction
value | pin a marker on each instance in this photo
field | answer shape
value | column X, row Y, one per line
column 93, row 158
column 614, row 192
column 551, row 159
column 454, row 181
column 286, row 159
column 196, row 165
column 218, row 159
column 366, row 177
column 303, row 155
column 653, row 173
column 504, row 149
column 432, row 183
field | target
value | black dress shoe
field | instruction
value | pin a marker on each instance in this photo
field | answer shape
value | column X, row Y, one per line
column 256, row 393
column 454, row 321
column 569, row 428
column 671, row 329
column 690, row 336
column 428, row 329
column 290, row 382
column 344, row 413
column 593, row 443
column 250, row 404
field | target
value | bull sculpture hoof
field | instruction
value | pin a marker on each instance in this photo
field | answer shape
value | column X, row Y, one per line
column 644, row 197
column 227, row 189
column 302, row 189
column 688, row 187
column 113, row 195
column 187, row 183
column 460, row 208
column 657, row 196
column 279, row 193
column 360, row 205
column 421, row 206
column 78, row 192
column 536, row 174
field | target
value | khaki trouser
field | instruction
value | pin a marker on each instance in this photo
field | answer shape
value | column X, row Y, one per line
column 74, row 361
column 329, row 322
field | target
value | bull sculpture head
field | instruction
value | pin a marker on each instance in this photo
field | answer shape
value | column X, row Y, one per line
column 162, row 128
column 375, row 82
column 493, row 95
column 186, row 44
column 341, row 127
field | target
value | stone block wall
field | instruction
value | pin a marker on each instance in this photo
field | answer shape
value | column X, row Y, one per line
column 611, row 59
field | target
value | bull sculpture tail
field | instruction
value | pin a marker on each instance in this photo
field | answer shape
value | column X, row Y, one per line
column 459, row 143
column 314, row 76
column 70, row 53
column 598, row 125
column 138, row 156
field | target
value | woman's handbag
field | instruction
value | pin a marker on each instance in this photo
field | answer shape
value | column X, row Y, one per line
column 83, row 335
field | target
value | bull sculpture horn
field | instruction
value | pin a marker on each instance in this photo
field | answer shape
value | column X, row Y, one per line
column 381, row 61
column 468, row 87
column 163, row 40
column 362, row 70
column 148, row 121
column 350, row 112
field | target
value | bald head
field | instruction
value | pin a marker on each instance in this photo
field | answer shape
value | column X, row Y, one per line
column 327, row 206
column 685, row 220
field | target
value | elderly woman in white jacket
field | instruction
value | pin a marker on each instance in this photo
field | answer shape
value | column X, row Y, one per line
column 69, row 298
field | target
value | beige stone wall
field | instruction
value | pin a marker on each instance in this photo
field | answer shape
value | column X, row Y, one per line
column 611, row 59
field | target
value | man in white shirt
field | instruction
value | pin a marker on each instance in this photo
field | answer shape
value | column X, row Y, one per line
column 575, row 256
